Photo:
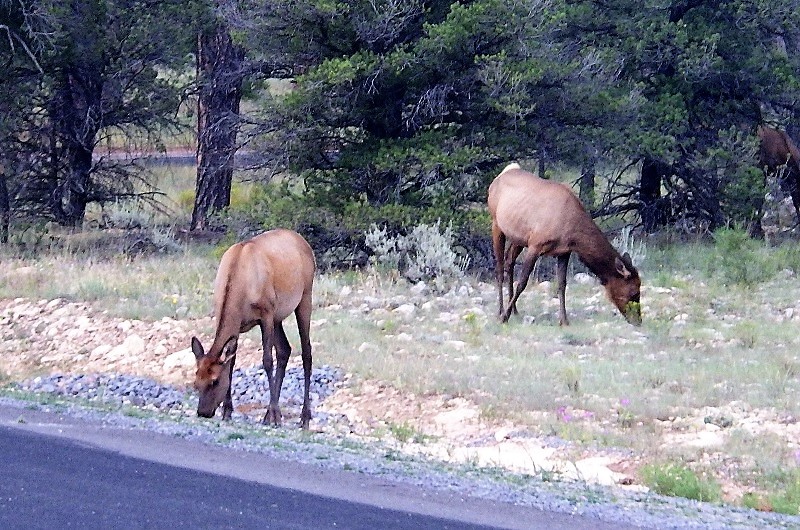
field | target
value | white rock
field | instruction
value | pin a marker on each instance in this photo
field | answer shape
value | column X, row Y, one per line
column 456, row 344
column 52, row 304
column 133, row 346
column 503, row 433
column 100, row 351
column 447, row 317
column 405, row 309
column 419, row 288
column 179, row 360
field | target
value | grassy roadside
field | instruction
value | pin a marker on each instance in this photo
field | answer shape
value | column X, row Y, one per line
column 713, row 354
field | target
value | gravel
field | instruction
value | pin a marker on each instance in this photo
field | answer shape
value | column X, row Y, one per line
column 249, row 386
column 173, row 413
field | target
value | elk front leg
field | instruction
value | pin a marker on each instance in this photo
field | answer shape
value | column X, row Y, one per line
column 561, row 274
column 524, row 274
column 499, row 245
column 227, row 404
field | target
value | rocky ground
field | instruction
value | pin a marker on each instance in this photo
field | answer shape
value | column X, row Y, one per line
column 73, row 349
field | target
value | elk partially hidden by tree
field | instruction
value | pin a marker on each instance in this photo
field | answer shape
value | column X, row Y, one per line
column 548, row 219
column 779, row 157
column 260, row 282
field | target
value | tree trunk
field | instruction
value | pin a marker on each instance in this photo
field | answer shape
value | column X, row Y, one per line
column 5, row 207
column 219, row 69
column 586, row 185
column 75, row 188
column 76, row 119
column 652, row 206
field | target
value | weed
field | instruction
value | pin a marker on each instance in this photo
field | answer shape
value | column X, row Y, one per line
column 746, row 333
column 135, row 412
column 676, row 480
column 405, row 433
column 572, row 378
column 233, row 436
column 784, row 500
column 625, row 416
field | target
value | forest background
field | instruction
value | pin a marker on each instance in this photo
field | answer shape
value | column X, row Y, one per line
column 395, row 112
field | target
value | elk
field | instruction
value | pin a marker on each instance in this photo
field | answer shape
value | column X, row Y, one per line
column 259, row 282
column 548, row 219
column 777, row 151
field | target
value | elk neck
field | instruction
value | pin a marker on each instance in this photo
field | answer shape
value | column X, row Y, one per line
column 594, row 250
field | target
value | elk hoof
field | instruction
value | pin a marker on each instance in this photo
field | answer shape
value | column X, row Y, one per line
column 272, row 417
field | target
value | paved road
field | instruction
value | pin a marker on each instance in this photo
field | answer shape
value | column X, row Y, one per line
column 62, row 472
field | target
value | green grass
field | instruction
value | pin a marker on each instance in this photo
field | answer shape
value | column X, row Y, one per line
column 786, row 501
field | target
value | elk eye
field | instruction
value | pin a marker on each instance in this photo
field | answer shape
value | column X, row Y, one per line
column 215, row 382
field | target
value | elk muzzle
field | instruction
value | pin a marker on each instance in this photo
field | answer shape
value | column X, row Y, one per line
column 633, row 313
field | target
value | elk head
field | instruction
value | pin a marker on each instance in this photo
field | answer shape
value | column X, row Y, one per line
column 213, row 377
column 623, row 288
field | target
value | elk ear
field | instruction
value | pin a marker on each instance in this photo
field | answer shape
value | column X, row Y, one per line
column 628, row 260
column 621, row 267
column 228, row 351
column 197, row 349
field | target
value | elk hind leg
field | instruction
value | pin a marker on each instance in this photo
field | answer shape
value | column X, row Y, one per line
column 283, row 351
column 513, row 253
column 267, row 340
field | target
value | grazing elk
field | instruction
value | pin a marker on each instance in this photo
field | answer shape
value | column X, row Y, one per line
column 548, row 219
column 778, row 152
column 259, row 282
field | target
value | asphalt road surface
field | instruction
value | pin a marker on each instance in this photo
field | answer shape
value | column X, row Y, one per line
column 62, row 472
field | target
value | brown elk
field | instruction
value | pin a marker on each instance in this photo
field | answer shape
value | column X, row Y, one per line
column 779, row 152
column 259, row 282
column 548, row 219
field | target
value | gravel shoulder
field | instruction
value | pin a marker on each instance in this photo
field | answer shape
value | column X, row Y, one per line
column 357, row 461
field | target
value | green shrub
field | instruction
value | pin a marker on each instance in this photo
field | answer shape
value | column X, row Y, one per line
column 337, row 235
column 676, row 480
column 738, row 259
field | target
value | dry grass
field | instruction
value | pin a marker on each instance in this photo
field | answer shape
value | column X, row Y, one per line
column 706, row 353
